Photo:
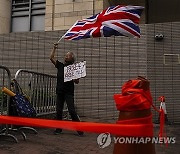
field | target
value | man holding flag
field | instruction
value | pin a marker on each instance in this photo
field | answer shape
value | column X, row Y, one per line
column 64, row 90
column 117, row 20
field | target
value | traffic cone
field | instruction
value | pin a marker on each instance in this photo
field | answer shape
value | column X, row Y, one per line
column 163, row 107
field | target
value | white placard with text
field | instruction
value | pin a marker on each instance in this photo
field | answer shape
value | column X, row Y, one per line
column 75, row 71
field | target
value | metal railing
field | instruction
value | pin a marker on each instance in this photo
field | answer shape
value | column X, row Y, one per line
column 5, row 81
column 40, row 89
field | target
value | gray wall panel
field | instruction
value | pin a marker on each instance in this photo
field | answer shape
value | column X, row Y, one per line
column 110, row 62
column 165, row 79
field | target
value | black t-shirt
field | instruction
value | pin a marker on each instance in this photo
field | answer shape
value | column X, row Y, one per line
column 63, row 87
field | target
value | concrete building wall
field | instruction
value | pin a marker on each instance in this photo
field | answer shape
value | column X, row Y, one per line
column 108, row 3
column 163, row 11
column 163, row 66
column 62, row 14
column 5, row 16
column 110, row 62
column 156, row 11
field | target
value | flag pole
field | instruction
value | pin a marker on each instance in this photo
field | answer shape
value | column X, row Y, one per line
column 66, row 32
column 60, row 39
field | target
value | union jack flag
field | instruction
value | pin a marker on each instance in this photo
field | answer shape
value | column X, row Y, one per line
column 115, row 20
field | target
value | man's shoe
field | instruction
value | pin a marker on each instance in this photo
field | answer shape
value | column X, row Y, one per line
column 81, row 134
column 57, row 131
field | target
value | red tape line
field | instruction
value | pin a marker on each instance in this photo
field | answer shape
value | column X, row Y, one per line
column 137, row 130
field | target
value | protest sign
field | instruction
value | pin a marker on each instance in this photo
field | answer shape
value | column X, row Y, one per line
column 75, row 71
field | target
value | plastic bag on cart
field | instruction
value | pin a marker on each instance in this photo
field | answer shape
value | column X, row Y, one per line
column 20, row 104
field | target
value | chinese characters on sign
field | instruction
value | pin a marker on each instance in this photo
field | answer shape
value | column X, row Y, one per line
column 75, row 71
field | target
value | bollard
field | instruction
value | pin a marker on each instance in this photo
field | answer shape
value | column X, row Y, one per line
column 134, row 104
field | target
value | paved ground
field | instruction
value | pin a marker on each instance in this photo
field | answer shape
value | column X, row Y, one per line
column 45, row 142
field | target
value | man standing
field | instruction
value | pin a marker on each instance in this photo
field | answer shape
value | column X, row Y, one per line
column 64, row 90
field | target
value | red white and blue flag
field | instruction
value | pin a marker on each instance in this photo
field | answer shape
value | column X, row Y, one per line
column 115, row 20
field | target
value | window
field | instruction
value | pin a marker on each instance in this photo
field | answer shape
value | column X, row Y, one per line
column 28, row 15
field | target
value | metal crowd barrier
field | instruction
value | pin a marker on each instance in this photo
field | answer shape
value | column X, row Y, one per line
column 40, row 89
column 5, row 81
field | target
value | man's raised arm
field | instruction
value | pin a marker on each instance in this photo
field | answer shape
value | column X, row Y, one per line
column 52, row 55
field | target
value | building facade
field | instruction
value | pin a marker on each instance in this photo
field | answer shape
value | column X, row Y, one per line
column 62, row 14
column 48, row 15
column 5, row 16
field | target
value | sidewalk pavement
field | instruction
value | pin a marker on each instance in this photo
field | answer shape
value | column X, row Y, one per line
column 68, row 142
